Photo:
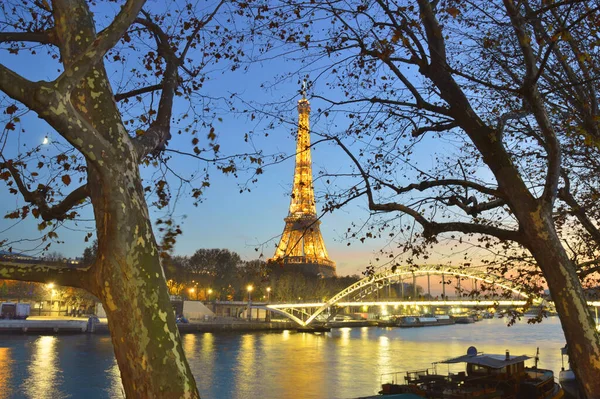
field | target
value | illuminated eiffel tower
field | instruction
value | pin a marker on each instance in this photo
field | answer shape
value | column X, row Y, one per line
column 301, row 246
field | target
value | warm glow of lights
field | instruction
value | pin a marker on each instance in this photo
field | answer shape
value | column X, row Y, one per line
column 209, row 291
column 50, row 286
column 43, row 369
column 191, row 290
column 268, row 289
column 301, row 242
column 5, row 374
column 365, row 308
column 249, row 288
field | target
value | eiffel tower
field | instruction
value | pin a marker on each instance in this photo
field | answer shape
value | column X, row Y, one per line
column 301, row 246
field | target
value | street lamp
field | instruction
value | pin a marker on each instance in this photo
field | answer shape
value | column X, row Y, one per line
column 249, row 288
column 50, row 287
column 268, row 294
column 191, row 291
column 209, row 292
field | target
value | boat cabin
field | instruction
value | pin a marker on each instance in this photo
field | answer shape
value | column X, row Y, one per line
column 500, row 367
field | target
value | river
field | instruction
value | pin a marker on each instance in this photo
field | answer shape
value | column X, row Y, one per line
column 345, row 363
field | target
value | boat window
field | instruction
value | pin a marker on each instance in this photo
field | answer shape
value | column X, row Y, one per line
column 477, row 369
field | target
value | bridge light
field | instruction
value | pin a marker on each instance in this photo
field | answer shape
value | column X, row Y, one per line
column 365, row 308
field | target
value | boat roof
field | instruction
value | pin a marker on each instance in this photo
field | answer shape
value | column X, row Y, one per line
column 491, row 361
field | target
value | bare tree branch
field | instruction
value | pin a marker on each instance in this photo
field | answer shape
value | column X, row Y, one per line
column 38, row 198
column 430, row 228
column 96, row 51
column 43, row 273
column 137, row 92
column 45, row 37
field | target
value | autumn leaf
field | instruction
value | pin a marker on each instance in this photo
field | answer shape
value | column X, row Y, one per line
column 453, row 11
column 211, row 134
column 11, row 109
column 66, row 179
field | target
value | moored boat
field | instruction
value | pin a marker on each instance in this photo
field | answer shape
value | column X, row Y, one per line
column 424, row 321
column 487, row 376
column 464, row 320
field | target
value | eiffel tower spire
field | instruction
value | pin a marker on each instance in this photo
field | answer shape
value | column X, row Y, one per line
column 301, row 246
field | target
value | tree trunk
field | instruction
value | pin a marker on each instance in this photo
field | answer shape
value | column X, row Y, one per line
column 130, row 282
column 127, row 275
column 577, row 322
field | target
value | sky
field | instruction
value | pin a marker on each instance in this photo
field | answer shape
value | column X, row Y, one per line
column 248, row 223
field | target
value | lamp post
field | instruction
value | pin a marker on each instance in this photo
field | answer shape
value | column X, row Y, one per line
column 268, row 313
column 50, row 287
column 209, row 292
column 249, row 288
column 191, row 291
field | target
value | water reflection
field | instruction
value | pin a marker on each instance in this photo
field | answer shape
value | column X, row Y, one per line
column 115, row 387
column 345, row 363
column 44, row 373
column 5, row 373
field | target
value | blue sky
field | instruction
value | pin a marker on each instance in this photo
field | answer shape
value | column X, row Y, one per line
column 225, row 218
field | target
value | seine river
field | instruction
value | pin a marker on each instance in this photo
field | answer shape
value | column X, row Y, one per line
column 346, row 363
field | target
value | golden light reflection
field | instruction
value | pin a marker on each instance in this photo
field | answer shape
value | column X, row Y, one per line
column 5, row 373
column 247, row 362
column 43, row 380
column 208, row 347
column 285, row 335
column 189, row 344
column 345, row 335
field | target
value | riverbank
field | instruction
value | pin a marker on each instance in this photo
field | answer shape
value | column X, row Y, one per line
column 77, row 325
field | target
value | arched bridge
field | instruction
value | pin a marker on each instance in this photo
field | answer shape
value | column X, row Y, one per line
column 373, row 283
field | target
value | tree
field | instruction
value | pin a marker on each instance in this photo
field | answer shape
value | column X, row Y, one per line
column 109, row 128
column 89, row 254
column 487, row 79
column 216, row 268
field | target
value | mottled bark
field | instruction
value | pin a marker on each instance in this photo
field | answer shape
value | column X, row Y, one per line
column 130, row 282
column 577, row 323
column 43, row 273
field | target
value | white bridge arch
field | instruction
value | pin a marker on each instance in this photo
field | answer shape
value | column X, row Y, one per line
column 377, row 281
